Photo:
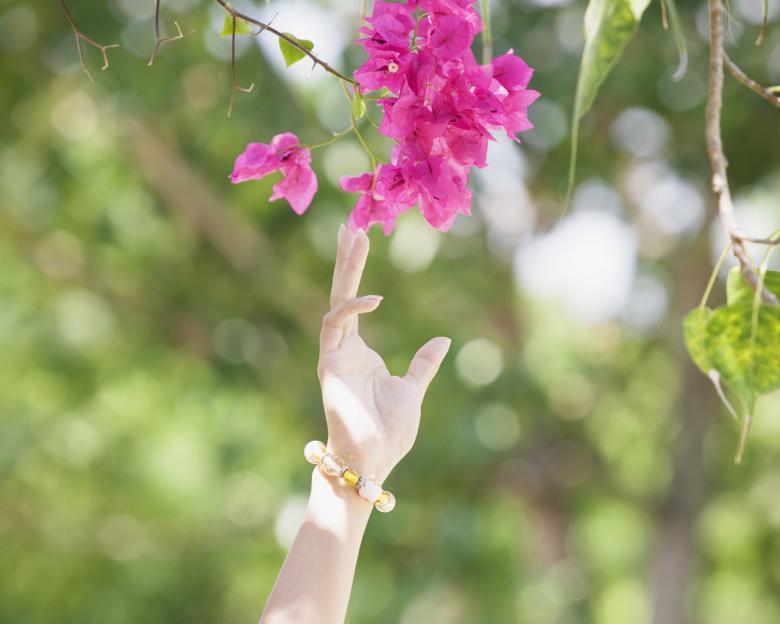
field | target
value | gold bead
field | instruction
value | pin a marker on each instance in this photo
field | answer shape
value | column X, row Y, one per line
column 350, row 476
column 314, row 451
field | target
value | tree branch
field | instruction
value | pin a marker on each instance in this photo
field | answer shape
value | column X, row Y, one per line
column 718, row 162
column 291, row 40
column 79, row 36
column 159, row 41
column 751, row 84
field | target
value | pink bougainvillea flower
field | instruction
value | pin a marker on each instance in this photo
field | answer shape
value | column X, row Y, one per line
column 442, row 109
column 444, row 191
column 383, row 196
column 390, row 27
column 384, row 68
column 285, row 153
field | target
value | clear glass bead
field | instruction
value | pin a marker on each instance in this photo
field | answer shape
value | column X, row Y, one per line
column 332, row 465
column 370, row 490
column 385, row 503
column 314, row 451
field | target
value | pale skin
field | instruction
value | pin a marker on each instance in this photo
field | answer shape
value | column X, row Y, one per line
column 372, row 419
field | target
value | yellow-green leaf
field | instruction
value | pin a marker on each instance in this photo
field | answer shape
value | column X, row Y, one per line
column 358, row 106
column 609, row 26
column 750, row 368
column 737, row 289
column 242, row 27
column 291, row 53
column 695, row 331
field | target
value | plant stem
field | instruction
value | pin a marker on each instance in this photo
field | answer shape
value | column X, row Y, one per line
column 714, row 276
column 291, row 40
column 487, row 33
column 333, row 139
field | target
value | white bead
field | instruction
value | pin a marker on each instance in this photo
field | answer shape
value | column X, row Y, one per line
column 314, row 451
column 370, row 490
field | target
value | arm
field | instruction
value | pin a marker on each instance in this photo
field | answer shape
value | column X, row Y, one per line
column 372, row 419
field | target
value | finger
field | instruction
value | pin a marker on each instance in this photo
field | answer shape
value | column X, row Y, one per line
column 426, row 362
column 348, row 281
column 335, row 322
column 345, row 239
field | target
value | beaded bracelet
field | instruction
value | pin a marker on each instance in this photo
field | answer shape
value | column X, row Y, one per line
column 331, row 465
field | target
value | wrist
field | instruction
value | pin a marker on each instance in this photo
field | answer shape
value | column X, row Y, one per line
column 369, row 466
column 335, row 506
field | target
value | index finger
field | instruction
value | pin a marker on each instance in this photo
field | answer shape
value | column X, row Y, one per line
column 342, row 255
column 346, row 284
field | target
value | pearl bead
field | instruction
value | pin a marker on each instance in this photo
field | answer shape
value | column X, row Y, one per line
column 370, row 490
column 385, row 503
column 314, row 451
column 332, row 465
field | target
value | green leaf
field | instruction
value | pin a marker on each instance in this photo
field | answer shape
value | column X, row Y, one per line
column 737, row 289
column 242, row 27
column 609, row 26
column 358, row 106
column 750, row 369
column 695, row 332
column 291, row 53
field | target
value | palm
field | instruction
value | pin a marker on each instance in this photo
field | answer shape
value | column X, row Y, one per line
column 372, row 415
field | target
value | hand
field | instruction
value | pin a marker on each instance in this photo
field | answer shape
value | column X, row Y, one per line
column 372, row 415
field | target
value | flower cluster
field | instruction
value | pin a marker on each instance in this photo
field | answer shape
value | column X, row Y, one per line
column 441, row 107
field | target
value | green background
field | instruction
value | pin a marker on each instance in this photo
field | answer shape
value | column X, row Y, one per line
column 158, row 332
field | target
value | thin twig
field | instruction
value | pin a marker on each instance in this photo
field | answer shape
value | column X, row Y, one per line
column 291, row 40
column 718, row 162
column 235, row 86
column 762, row 241
column 751, row 84
column 764, row 22
column 159, row 41
column 79, row 36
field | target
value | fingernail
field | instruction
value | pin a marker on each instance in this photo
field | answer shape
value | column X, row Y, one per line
column 373, row 298
column 446, row 341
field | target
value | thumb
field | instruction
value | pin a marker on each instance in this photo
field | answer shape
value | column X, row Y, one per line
column 426, row 362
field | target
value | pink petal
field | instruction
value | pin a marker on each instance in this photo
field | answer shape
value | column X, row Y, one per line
column 256, row 161
column 298, row 187
column 356, row 184
column 284, row 141
column 511, row 71
column 450, row 37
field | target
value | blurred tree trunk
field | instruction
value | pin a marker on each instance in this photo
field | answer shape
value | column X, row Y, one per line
column 675, row 554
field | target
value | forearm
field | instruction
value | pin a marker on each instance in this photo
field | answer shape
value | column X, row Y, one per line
column 316, row 578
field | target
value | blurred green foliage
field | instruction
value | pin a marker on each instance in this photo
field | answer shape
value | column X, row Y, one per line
column 158, row 334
